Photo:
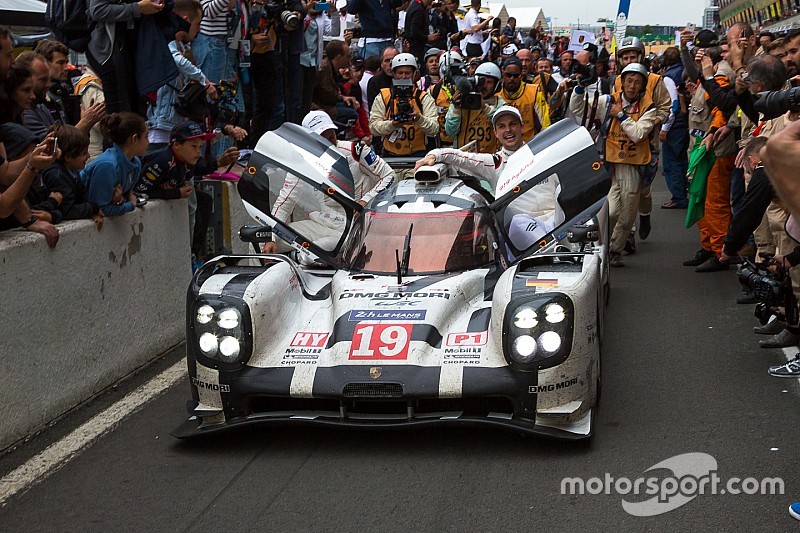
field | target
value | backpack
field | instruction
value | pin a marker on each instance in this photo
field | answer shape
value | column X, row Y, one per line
column 70, row 24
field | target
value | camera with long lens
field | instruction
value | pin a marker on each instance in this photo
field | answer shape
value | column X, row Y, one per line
column 224, row 108
column 775, row 103
column 402, row 93
column 773, row 292
column 585, row 75
column 279, row 11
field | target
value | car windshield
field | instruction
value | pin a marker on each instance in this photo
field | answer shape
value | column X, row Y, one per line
column 439, row 241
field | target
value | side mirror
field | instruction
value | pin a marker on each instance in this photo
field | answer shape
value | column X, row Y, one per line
column 255, row 234
column 583, row 234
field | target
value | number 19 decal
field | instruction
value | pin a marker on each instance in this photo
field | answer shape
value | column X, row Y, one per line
column 381, row 341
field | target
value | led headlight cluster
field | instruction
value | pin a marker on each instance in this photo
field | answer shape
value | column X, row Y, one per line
column 221, row 330
column 539, row 330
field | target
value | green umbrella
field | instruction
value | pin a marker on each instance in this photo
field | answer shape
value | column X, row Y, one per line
column 700, row 164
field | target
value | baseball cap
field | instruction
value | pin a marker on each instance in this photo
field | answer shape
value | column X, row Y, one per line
column 188, row 130
column 506, row 110
column 318, row 122
column 432, row 52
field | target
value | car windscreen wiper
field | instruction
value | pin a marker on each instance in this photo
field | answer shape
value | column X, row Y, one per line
column 402, row 266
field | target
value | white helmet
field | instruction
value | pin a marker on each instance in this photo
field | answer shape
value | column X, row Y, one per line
column 631, row 43
column 404, row 60
column 447, row 59
column 636, row 68
column 488, row 69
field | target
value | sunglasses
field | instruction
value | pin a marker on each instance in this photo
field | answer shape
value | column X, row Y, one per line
column 511, row 75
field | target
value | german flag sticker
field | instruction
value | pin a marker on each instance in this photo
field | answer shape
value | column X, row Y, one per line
column 541, row 283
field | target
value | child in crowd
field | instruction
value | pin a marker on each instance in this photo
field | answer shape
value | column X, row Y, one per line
column 59, row 194
column 119, row 166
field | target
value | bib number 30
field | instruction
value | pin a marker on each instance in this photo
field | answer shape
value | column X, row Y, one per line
column 380, row 342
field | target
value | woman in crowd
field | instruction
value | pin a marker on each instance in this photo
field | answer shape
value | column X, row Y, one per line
column 19, row 88
column 110, row 178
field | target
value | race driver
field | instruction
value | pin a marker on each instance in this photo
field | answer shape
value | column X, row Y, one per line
column 371, row 175
column 538, row 211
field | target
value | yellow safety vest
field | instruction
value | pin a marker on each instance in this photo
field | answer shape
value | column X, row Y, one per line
column 526, row 104
column 410, row 138
column 619, row 147
column 476, row 126
column 442, row 98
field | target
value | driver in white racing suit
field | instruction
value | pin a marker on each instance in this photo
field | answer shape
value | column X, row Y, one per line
column 537, row 210
column 371, row 175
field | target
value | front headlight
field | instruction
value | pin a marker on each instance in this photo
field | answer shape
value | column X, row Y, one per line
column 538, row 331
column 221, row 331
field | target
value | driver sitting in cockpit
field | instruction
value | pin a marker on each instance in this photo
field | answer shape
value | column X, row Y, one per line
column 371, row 175
column 536, row 212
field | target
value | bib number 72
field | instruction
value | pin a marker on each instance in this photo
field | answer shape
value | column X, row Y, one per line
column 381, row 342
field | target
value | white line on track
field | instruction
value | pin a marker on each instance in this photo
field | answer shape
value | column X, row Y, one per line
column 60, row 453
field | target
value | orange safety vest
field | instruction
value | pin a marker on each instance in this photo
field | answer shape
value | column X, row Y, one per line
column 410, row 138
column 619, row 147
column 525, row 103
column 442, row 98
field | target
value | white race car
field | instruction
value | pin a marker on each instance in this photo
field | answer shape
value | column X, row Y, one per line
column 418, row 309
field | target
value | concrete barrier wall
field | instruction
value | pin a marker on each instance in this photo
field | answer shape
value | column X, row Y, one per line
column 79, row 317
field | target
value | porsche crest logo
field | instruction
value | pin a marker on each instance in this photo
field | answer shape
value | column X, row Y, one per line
column 375, row 372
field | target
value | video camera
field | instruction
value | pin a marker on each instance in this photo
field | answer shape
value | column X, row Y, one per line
column 772, row 292
column 402, row 93
column 775, row 103
column 456, row 77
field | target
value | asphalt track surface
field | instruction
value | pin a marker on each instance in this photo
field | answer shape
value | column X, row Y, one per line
column 681, row 373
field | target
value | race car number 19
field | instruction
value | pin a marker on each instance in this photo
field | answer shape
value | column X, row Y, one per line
column 380, row 341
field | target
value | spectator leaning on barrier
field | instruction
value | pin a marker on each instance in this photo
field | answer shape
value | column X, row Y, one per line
column 168, row 174
column 110, row 178
column 404, row 137
column 60, row 194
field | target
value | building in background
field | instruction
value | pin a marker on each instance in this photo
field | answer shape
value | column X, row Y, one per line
column 770, row 15
column 711, row 15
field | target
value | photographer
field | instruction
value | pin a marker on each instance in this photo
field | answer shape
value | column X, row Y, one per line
column 403, row 115
column 468, row 125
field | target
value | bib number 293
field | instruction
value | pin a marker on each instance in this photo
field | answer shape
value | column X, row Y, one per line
column 381, row 342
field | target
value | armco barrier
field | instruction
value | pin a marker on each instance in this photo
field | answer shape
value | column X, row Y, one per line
column 79, row 317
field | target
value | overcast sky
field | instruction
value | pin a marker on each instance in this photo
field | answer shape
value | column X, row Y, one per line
column 666, row 12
